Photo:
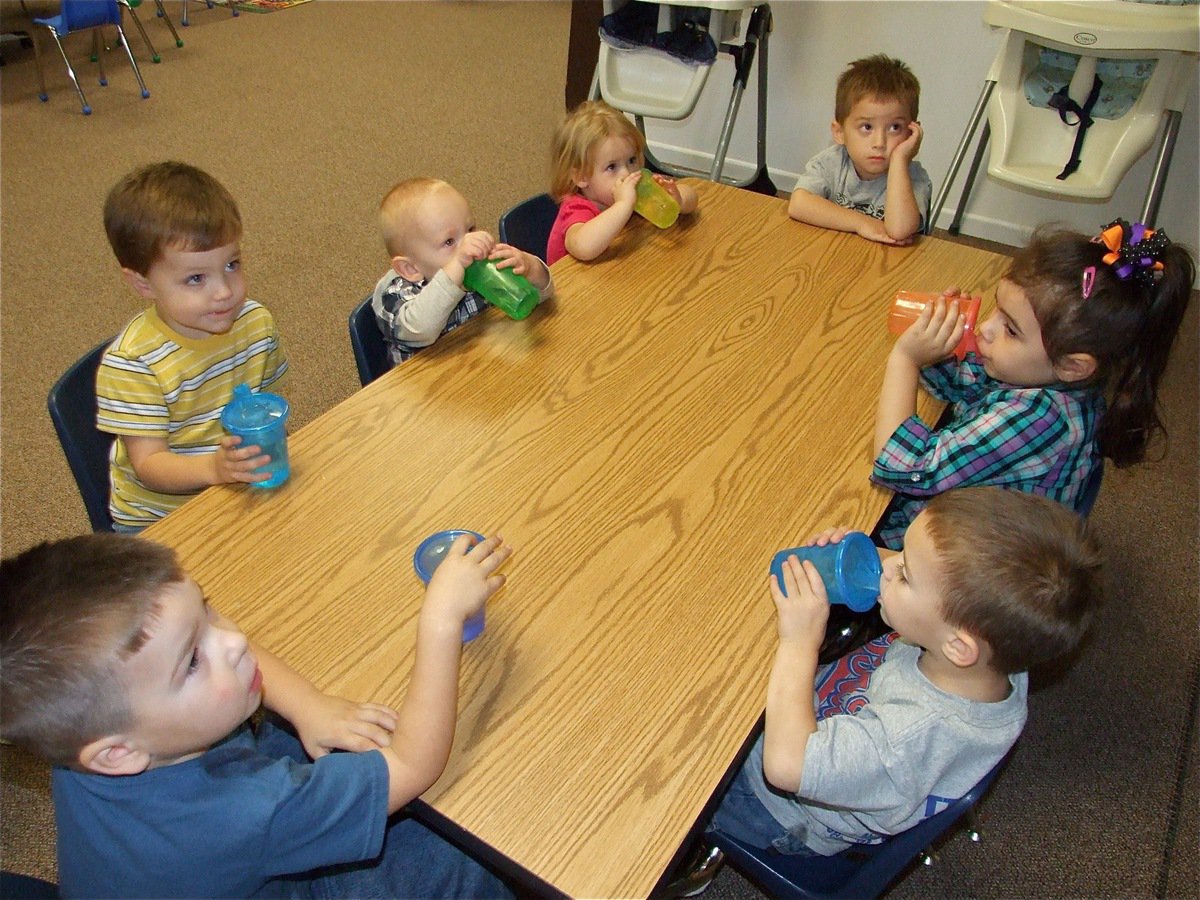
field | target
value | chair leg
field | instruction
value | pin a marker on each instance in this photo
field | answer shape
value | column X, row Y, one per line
column 87, row 110
column 184, row 19
column 1161, row 166
column 960, row 153
column 162, row 14
column 37, row 58
column 133, row 62
column 145, row 37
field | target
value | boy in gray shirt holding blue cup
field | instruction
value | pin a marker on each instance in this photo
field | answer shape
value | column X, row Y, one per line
column 989, row 584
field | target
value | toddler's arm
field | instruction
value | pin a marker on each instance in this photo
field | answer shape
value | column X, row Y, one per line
column 813, row 210
column 425, row 725
column 684, row 194
column 901, row 215
column 160, row 469
column 587, row 240
column 791, row 714
column 931, row 337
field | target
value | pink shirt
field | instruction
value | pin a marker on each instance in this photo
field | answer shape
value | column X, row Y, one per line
column 575, row 208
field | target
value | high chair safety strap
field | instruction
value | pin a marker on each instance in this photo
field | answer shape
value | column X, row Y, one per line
column 1062, row 102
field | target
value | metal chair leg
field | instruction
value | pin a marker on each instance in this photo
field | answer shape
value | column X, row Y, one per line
column 87, row 110
column 960, row 153
column 98, row 51
column 37, row 58
column 162, row 14
column 984, row 136
column 1161, row 166
column 133, row 62
column 145, row 37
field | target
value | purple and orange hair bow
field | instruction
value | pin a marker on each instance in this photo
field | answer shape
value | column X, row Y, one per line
column 1134, row 251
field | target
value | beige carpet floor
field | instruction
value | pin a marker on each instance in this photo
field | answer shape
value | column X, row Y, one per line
column 308, row 115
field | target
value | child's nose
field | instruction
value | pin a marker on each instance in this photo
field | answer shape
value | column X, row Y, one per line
column 234, row 641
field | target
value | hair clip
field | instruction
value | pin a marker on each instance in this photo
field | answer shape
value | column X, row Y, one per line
column 1089, row 281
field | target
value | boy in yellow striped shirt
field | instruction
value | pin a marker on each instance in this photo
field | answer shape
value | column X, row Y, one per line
column 167, row 376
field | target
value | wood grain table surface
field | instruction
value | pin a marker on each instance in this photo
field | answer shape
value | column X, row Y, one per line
column 690, row 403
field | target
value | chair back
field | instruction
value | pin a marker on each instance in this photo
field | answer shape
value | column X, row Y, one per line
column 858, row 872
column 370, row 352
column 1091, row 491
column 72, row 405
column 77, row 14
column 527, row 225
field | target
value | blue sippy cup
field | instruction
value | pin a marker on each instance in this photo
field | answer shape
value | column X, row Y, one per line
column 850, row 569
column 429, row 556
column 260, row 419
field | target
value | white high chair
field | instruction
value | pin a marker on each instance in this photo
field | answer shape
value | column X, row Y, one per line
column 651, row 84
column 1031, row 145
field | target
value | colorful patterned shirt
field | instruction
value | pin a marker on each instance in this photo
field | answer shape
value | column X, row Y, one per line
column 1040, row 439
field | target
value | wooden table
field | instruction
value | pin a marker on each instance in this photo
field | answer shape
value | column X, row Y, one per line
column 696, row 400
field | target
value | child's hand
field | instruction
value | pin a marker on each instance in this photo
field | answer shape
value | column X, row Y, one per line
column 906, row 150
column 332, row 723
column 669, row 185
column 233, row 463
column 829, row 536
column 474, row 245
column 873, row 230
column 934, row 335
column 465, row 579
column 625, row 190
column 802, row 605
column 509, row 257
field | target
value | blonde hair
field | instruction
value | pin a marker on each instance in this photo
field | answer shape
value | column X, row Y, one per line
column 397, row 208
column 575, row 142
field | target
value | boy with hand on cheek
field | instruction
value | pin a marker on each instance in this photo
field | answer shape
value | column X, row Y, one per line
column 869, row 181
column 120, row 674
column 990, row 583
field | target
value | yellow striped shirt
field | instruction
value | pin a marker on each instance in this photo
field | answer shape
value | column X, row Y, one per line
column 156, row 383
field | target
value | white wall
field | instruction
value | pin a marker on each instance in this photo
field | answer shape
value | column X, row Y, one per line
column 950, row 50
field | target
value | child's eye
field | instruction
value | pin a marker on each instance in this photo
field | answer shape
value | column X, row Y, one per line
column 900, row 576
column 448, row 242
column 195, row 280
column 611, row 167
column 1009, row 330
column 194, row 662
column 233, row 265
column 895, row 128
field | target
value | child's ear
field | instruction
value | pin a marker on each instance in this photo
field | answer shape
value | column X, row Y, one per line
column 961, row 648
column 138, row 282
column 1075, row 367
column 577, row 180
column 406, row 268
column 113, row 755
column 839, row 136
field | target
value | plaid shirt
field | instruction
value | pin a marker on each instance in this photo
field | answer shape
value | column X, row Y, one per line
column 1041, row 440
column 388, row 303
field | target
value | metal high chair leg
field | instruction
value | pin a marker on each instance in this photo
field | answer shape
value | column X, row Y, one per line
column 973, row 123
column 1162, row 164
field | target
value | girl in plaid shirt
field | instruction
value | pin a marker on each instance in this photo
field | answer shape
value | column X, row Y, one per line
column 1066, row 373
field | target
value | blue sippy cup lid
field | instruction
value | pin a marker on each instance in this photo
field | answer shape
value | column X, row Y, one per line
column 859, row 571
column 248, row 411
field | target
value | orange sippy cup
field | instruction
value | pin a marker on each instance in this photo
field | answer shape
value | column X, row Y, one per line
column 907, row 305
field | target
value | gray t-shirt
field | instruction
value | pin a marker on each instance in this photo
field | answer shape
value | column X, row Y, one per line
column 904, row 756
column 830, row 174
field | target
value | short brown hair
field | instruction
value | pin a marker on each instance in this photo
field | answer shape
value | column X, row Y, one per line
column 168, row 204
column 71, row 612
column 877, row 76
column 397, row 207
column 575, row 142
column 1018, row 571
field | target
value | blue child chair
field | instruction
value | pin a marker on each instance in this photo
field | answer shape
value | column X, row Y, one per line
column 77, row 15
column 370, row 352
column 72, row 404
column 858, row 872
column 527, row 225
